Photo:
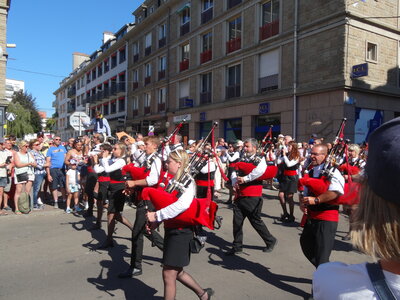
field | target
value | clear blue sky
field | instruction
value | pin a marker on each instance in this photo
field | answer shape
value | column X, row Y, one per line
column 47, row 32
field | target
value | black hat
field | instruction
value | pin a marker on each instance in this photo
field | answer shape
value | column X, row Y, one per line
column 39, row 134
column 383, row 165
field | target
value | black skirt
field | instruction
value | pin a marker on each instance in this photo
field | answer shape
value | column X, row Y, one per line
column 288, row 184
column 117, row 198
column 177, row 247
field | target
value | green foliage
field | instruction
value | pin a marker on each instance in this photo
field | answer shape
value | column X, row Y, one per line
column 22, row 124
column 29, row 103
column 50, row 124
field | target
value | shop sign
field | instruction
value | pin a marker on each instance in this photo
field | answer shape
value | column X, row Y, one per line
column 263, row 108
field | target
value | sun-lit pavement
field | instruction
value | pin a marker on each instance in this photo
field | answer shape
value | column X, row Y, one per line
column 51, row 255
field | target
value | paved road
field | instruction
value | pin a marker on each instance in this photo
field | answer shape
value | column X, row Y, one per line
column 50, row 255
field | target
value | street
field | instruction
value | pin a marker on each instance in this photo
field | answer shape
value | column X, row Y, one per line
column 50, row 255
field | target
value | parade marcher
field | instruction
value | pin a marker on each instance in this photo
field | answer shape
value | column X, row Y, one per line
column 100, row 124
column 249, row 202
column 288, row 180
column 55, row 171
column 40, row 172
column 375, row 229
column 72, row 184
column 152, row 163
column 234, row 156
column 103, row 179
column 221, row 149
column 139, row 156
column 116, row 188
column 175, row 145
column 319, row 231
column 176, row 253
column 270, row 157
column 24, row 172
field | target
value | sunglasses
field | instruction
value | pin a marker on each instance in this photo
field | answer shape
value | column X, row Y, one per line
column 36, row 144
column 57, row 139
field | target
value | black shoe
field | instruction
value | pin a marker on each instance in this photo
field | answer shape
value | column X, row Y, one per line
column 96, row 226
column 270, row 247
column 209, row 292
column 289, row 219
column 233, row 251
column 284, row 218
column 106, row 244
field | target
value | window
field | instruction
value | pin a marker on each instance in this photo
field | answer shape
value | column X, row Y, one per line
column 372, row 52
column 113, row 60
column 162, row 64
column 147, row 77
column 185, row 52
column 106, row 65
column 232, row 3
column 135, row 106
column 135, row 51
column 269, row 71
column 99, row 70
column 233, row 129
column 105, row 109
column 185, row 20
column 184, row 100
column 161, row 97
column 234, row 35
column 233, row 82
column 147, row 49
column 113, row 107
column 162, row 35
column 206, row 53
column 269, row 19
column 135, row 79
column 121, row 105
column 122, row 55
column 147, row 103
column 206, row 85
column 207, row 11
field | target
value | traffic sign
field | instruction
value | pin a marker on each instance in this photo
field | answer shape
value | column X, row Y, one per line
column 10, row 116
column 77, row 119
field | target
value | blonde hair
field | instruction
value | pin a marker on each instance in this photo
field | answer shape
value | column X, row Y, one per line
column 22, row 143
column 376, row 226
column 355, row 148
column 122, row 146
column 182, row 157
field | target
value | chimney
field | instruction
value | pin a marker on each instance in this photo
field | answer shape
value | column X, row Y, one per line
column 77, row 59
column 107, row 36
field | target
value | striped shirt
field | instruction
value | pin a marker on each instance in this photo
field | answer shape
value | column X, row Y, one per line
column 40, row 160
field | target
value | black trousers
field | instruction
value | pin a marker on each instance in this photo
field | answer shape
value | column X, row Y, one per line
column 317, row 240
column 91, row 181
column 249, row 207
column 139, row 229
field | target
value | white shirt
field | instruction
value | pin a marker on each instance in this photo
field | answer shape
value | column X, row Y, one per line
column 155, row 171
column 72, row 176
column 337, row 181
column 98, row 168
column 179, row 206
column 116, row 165
column 339, row 281
column 253, row 175
column 288, row 163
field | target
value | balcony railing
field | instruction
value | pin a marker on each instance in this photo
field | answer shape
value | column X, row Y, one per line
column 135, row 85
column 147, row 51
column 161, row 107
column 233, row 44
column 147, row 80
column 99, row 95
column 162, row 42
column 147, row 110
column 205, row 56
column 106, row 92
column 269, row 29
column 121, row 87
column 161, row 74
column 136, row 57
column 184, row 65
column 71, row 108
column 113, row 89
column 185, row 102
column 232, row 3
column 233, row 91
column 71, row 92
column 205, row 97
column 268, row 83
column 207, row 15
column 135, row 112
column 185, row 28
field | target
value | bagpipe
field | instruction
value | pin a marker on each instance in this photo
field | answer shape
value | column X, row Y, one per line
column 337, row 153
column 202, row 211
column 170, row 138
column 245, row 168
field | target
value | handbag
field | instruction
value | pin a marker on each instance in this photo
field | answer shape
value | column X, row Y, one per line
column 198, row 241
column 22, row 177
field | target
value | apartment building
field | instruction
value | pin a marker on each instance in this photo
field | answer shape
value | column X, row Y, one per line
column 98, row 83
column 300, row 66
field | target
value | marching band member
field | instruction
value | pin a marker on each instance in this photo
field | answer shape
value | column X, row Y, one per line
column 233, row 155
column 175, row 145
column 375, row 229
column 288, row 180
column 319, row 231
column 176, row 253
column 249, row 203
column 116, row 187
column 153, row 163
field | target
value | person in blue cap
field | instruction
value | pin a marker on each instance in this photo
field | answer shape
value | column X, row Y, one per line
column 375, row 228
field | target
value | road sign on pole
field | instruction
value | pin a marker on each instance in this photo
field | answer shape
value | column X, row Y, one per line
column 77, row 119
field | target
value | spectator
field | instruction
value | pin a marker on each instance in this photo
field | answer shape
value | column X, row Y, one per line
column 13, row 141
column 100, row 124
column 70, row 144
column 55, row 171
column 10, row 166
column 24, row 172
column 72, row 185
column 3, row 176
column 40, row 172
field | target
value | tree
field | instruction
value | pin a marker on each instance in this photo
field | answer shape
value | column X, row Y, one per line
column 22, row 124
column 50, row 124
column 29, row 103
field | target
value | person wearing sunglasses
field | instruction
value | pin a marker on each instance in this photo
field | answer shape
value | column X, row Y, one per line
column 40, row 172
column 55, row 171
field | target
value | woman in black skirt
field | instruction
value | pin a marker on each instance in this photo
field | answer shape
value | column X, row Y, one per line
column 176, row 254
column 288, row 180
column 114, row 166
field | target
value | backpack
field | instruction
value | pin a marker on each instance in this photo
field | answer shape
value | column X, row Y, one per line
column 24, row 203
